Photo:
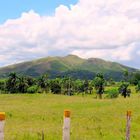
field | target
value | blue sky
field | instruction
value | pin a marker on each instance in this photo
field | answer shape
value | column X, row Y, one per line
column 32, row 29
column 10, row 9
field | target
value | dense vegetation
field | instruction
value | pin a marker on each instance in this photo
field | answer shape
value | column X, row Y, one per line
column 69, row 86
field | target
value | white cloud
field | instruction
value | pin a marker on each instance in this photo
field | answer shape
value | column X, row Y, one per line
column 107, row 29
column 125, row 53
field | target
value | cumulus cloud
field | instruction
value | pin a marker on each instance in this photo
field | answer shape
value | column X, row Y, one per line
column 108, row 29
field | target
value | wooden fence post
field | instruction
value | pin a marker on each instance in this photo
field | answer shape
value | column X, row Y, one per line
column 2, row 120
column 66, row 125
column 128, row 117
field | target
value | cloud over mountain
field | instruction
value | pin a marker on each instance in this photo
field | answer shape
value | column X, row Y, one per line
column 108, row 29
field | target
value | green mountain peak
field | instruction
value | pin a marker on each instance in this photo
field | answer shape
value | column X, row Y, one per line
column 71, row 65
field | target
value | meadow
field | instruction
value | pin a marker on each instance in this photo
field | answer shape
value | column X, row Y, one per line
column 33, row 116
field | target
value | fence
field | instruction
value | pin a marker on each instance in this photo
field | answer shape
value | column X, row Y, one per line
column 2, row 120
column 66, row 125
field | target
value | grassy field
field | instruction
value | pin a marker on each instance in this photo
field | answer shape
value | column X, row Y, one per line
column 28, row 116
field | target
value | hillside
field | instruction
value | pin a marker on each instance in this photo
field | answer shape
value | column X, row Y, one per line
column 70, row 65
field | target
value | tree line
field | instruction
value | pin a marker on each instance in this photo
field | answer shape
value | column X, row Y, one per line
column 24, row 84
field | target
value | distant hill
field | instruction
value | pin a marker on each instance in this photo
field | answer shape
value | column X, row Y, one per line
column 70, row 65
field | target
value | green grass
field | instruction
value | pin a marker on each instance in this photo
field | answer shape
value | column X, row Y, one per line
column 28, row 116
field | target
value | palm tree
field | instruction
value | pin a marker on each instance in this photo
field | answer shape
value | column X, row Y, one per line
column 86, row 86
column 99, row 84
column 78, row 84
column 123, row 89
column 22, row 84
column 43, row 82
column 12, row 83
column 31, row 81
column 67, row 85
column 55, row 86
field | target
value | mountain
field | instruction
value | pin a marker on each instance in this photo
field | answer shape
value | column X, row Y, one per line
column 70, row 65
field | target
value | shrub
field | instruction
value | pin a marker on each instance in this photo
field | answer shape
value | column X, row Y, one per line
column 112, row 93
column 32, row 89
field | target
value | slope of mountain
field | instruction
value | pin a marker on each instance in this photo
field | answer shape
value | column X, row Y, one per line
column 70, row 65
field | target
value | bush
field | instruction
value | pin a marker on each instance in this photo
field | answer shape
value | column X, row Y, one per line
column 32, row 89
column 112, row 93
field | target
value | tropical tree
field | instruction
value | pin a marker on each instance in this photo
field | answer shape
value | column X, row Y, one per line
column 86, row 86
column 67, row 85
column 22, row 84
column 90, row 87
column 55, row 86
column 43, row 82
column 12, row 83
column 64, row 85
column 2, row 85
column 99, row 82
column 78, row 86
column 123, row 89
column 31, row 81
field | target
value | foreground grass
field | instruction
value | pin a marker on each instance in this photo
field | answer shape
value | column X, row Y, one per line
column 31, row 116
